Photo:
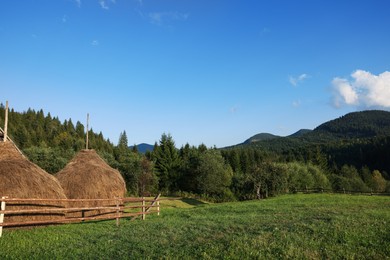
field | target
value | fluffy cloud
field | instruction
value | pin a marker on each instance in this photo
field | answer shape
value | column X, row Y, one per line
column 295, row 80
column 365, row 89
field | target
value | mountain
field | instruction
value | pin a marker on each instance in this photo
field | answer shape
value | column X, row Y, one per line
column 362, row 124
column 143, row 148
column 359, row 139
column 300, row 132
column 260, row 137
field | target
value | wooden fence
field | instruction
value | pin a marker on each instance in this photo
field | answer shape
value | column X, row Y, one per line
column 116, row 208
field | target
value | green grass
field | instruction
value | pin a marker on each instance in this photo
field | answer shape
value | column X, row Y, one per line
column 293, row 226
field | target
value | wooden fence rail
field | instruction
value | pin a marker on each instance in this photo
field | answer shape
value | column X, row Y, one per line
column 118, row 208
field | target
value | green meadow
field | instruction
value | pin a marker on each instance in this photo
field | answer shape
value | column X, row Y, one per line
column 302, row 226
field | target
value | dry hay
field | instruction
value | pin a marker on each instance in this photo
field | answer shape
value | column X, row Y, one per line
column 9, row 152
column 87, row 176
column 20, row 178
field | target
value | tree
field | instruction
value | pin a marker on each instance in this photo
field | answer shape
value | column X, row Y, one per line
column 214, row 175
column 123, row 142
column 268, row 179
column 167, row 164
column 258, row 175
column 134, row 149
column 147, row 180
column 379, row 183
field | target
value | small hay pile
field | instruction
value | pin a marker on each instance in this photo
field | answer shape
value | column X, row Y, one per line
column 87, row 176
column 20, row 178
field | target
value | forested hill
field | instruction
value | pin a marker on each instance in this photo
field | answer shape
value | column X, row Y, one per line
column 260, row 137
column 48, row 142
column 359, row 139
column 357, row 125
column 34, row 128
column 363, row 124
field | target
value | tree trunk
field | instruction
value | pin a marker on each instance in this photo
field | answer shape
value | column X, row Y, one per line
column 258, row 194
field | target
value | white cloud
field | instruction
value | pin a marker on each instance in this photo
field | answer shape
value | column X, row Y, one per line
column 296, row 80
column 103, row 4
column 365, row 89
column 95, row 43
column 160, row 17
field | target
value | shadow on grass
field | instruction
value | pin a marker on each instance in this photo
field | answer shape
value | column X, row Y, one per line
column 193, row 202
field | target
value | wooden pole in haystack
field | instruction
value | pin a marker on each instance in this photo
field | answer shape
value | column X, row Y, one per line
column 6, row 122
column 86, row 144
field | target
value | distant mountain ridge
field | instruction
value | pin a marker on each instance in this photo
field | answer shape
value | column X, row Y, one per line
column 300, row 132
column 260, row 137
column 363, row 124
column 368, row 123
column 143, row 147
column 268, row 136
column 361, row 139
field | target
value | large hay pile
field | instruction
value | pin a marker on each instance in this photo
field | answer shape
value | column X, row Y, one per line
column 20, row 178
column 87, row 176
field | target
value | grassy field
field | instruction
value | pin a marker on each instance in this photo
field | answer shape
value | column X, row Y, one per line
column 293, row 226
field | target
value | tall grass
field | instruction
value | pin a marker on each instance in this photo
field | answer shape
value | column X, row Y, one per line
column 292, row 226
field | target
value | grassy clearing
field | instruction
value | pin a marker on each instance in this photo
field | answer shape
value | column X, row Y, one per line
column 291, row 226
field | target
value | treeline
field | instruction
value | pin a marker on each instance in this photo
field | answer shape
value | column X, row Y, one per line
column 239, row 173
column 360, row 139
column 49, row 142
column 363, row 124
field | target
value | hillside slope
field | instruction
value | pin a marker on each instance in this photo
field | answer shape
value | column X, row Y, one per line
column 359, row 139
column 364, row 124
column 260, row 137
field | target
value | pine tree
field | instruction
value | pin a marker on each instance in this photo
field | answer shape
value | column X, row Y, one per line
column 123, row 141
column 167, row 161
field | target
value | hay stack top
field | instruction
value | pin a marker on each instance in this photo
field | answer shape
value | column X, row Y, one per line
column 20, row 178
column 87, row 176
column 9, row 152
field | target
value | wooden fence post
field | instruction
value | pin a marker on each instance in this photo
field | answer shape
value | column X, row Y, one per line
column 143, row 208
column 158, row 208
column 6, row 122
column 2, row 215
column 117, row 211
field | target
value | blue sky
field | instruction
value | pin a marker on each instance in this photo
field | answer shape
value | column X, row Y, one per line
column 205, row 71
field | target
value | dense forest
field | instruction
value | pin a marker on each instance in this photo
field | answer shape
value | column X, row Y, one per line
column 350, row 153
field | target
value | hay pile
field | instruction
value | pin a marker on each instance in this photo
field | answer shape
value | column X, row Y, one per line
column 87, row 176
column 20, row 178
